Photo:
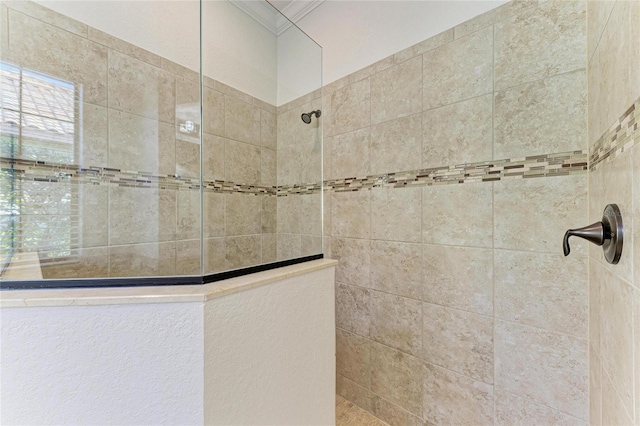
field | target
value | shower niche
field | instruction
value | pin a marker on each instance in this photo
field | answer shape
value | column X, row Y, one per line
column 155, row 142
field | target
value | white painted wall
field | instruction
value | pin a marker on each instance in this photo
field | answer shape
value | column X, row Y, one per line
column 354, row 34
column 299, row 65
column 129, row 364
column 237, row 50
column 287, row 326
column 261, row 356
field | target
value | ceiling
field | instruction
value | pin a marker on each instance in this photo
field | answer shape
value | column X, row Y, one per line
column 269, row 17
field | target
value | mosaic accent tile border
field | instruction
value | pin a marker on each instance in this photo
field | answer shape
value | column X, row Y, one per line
column 623, row 135
column 28, row 170
column 550, row 165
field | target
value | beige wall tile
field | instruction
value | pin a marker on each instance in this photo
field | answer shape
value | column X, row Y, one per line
column 353, row 357
column 350, row 154
column 214, row 255
column 310, row 245
column 269, row 217
column 459, row 341
column 614, row 78
column 371, row 70
column 93, row 201
column 242, row 162
column 143, row 260
column 354, row 256
column 396, row 145
column 616, row 333
column 351, row 214
column 351, row 107
column 268, row 167
column 543, row 290
column 41, row 47
column 506, row 11
column 613, row 409
column 243, row 251
column 355, row 393
column 123, row 47
column 82, row 263
column 397, row 91
column 516, row 410
column 636, row 338
column 598, row 13
column 548, row 367
column 188, row 213
column 311, row 162
column 394, row 415
column 396, row 321
column 4, row 28
column 424, row 46
column 352, row 309
column 179, row 70
column 213, row 157
column 289, row 246
column 188, row 257
column 459, row 70
column 451, row 398
column 141, row 215
column 533, row 214
column 289, row 166
column 542, row 117
column 288, row 209
column 397, row 377
column 268, row 130
column 458, row 133
column 459, row 277
column 396, row 214
column 595, row 388
column 141, row 144
column 213, row 112
column 48, row 16
column 243, row 214
column 138, row 88
column 92, row 144
column 448, row 219
column 544, row 41
column 636, row 226
column 615, row 185
column 241, row 121
column 269, row 248
column 397, row 268
column 311, row 214
column 187, row 157
column 596, row 278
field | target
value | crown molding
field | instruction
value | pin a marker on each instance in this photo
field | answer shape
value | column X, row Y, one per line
column 269, row 17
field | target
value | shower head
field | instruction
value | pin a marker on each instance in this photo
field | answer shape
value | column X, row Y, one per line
column 306, row 117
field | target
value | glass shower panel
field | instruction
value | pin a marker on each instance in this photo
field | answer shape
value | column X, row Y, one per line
column 100, row 139
column 261, row 165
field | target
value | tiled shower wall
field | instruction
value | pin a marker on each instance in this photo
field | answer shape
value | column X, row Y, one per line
column 614, row 177
column 138, row 214
column 454, row 303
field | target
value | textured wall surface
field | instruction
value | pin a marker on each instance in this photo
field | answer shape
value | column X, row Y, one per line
column 260, row 356
column 454, row 303
column 614, row 141
column 132, row 364
column 270, row 354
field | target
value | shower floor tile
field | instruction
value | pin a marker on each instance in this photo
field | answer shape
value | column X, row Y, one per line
column 349, row 414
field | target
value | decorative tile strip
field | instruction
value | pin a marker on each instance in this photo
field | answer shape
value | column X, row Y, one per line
column 561, row 164
column 623, row 135
column 39, row 171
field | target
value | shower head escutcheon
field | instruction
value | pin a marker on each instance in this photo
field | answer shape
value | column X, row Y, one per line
column 306, row 117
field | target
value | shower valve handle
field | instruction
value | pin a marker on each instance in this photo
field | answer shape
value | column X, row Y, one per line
column 608, row 233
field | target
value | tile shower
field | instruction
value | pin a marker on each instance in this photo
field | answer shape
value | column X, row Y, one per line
column 451, row 170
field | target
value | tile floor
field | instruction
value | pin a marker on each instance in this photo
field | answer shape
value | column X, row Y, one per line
column 349, row 414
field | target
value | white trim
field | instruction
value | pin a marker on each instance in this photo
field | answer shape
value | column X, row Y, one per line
column 268, row 16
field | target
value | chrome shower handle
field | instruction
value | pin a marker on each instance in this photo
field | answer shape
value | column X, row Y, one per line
column 608, row 234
